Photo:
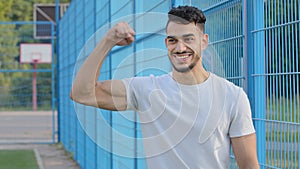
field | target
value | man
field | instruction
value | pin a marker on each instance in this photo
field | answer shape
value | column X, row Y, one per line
column 189, row 117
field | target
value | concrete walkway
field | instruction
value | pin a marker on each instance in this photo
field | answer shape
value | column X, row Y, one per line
column 48, row 156
column 19, row 128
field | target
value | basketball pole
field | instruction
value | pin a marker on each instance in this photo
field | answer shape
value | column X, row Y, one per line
column 34, row 91
column 36, row 53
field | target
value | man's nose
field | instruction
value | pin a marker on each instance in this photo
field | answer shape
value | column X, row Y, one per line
column 180, row 46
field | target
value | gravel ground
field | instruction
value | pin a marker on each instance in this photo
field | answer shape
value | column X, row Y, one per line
column 49, row 156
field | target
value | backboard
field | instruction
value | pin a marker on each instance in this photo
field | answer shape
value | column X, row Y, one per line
column 46, row 12
column 35, row 53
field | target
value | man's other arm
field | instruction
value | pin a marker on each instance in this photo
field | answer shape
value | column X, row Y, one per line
column 244, row 149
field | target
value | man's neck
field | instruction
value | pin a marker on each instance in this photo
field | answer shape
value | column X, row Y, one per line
column 195, row 76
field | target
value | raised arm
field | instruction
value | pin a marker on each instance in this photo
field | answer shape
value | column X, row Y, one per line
column 108, row 94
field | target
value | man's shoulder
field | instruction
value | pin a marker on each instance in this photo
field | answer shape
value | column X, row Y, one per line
column 229, row 86
column 225, row 81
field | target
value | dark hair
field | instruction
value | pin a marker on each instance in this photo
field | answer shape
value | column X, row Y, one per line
column 186, row 15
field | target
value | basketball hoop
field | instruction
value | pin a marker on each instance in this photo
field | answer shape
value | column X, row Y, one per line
column 36, row 57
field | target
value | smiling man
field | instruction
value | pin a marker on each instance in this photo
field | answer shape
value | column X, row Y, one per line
column 189, row 117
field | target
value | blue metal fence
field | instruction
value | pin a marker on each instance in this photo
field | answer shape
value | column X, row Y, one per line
column 278, row 113
column 255, row 45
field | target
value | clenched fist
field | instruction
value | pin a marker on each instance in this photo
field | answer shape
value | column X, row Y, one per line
column 121, row 34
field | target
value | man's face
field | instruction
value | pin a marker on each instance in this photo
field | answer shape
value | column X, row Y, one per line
column 184, row 45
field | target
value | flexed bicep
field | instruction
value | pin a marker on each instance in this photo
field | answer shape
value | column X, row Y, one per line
column 111, row 95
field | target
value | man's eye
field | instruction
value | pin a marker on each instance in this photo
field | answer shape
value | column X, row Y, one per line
column 190, row 39
column 171, row 40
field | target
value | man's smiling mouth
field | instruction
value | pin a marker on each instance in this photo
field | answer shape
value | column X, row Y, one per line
column 183, row 56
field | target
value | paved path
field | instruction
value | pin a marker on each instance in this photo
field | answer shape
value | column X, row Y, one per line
column 49, row 156
column 27, row 126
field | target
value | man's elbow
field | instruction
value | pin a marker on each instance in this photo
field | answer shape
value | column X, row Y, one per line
column 83, row 98
column 75, row 96
column 78, row 93
column 71, row 95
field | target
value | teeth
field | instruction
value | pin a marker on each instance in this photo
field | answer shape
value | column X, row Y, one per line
column 183, row 57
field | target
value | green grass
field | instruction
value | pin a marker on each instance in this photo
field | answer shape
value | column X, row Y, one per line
column 18, row 159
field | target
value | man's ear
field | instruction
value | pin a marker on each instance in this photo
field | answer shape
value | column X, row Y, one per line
column 204, row 42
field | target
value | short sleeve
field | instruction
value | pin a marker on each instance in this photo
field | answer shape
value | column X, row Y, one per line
column 130, row 94
column 241, row 119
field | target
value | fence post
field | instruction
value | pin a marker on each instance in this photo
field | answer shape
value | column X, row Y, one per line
column 254, row 43
column 54, row 97
column 57, row 68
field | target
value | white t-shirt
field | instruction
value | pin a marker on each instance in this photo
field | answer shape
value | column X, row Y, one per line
column 188, row 126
